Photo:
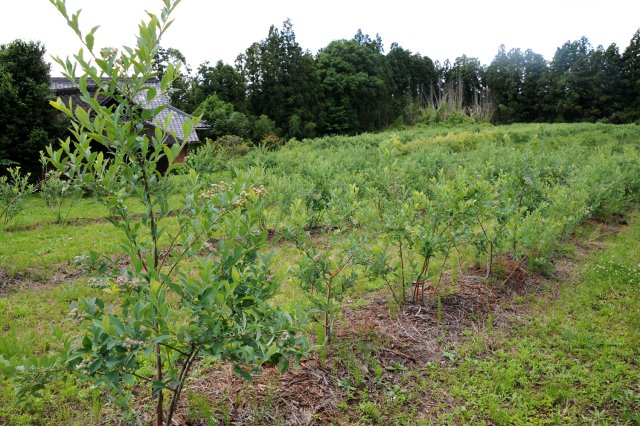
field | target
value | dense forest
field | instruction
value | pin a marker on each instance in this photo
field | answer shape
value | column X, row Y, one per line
column 278, row 90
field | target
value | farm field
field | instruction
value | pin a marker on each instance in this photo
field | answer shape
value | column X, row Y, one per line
column 477, row 280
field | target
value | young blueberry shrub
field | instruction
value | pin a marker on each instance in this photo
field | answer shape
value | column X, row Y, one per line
column 14, row 190
column 198, row 283
column 59, row 194
column 321, row 272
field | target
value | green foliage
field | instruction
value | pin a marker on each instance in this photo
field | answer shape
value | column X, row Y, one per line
column 413, row 76
column 171, row 305
column 263, row 127
column 317, row 199
column 425, row 228
column 59, row 194
column 222, row 119
column 232, row 145
column 320, row 273
column 580, row 83
column 225, row 82
column 207, row 158
column 27, row 124
column 165, row 56
column 282, row 81
column 25, row 319
column 354, row 76
column 13, row 192
column 463, row 81
column 520, row 192
column 182, row 95
column 518, row 81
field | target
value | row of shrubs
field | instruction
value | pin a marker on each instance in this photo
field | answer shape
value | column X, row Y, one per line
column 58, row 193
column 406, row 209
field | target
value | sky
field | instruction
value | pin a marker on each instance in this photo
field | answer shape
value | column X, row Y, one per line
column 206, row 30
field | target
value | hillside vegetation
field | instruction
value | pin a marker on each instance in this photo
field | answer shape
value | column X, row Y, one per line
column 440, row 270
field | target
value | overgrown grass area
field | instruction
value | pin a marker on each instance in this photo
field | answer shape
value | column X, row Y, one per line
column 338, row 179
column 559, row 349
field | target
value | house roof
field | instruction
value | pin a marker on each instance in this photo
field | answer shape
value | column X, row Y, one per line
column 62, row 87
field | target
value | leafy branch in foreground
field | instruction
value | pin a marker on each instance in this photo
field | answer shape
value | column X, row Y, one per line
column 198, row 283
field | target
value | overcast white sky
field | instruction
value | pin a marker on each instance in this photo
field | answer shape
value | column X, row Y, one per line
column 212, row 30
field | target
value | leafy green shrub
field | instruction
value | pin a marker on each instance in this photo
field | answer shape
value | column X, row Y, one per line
column 13, row 192
column 270, row 141
column 232, row 145
column 263, row 126
column 320, row 272
column 207, row 158
column 59, row 194
column 213, row 156
column 93, row 263
column 222, row 119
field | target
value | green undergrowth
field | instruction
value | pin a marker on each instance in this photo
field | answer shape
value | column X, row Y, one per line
column 334, row 178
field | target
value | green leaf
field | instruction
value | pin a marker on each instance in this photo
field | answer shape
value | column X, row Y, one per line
column 151, row 93
column 235, row 275
column 168, row 153
column 95, row 366
column 156, row 388
column 128, row 379
column 86, row 343
column 283, row 364
column 60, row 106
column 89, row 39
column 187, row 128
column 239, row 372
column 106, row 324
column 111, row 362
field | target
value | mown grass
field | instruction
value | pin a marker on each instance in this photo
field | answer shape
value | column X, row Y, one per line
column 36, row 247
column 35, row 253
column 25, row 329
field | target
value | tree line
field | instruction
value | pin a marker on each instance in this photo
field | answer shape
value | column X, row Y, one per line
column 353, row 86
column 278, row 90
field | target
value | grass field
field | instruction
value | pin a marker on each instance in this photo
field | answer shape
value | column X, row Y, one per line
column 551, row 338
